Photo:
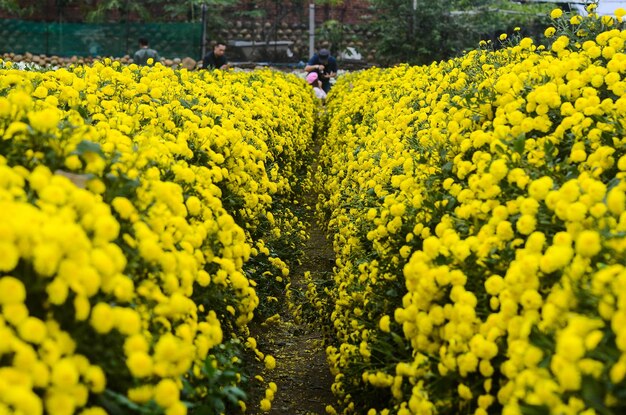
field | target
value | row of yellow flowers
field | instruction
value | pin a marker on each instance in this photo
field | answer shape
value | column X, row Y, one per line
column 478, row 208
column 141, row 222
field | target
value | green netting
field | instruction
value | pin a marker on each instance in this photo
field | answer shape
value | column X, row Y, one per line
column 171, row 40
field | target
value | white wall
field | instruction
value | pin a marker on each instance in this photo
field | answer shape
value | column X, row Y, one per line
column 605, row 7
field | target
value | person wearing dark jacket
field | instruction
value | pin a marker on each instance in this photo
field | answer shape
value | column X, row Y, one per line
column 216, row 59
column 325, row 66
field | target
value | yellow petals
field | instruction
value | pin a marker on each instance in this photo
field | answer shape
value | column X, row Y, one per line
column 32, row 330
column 265, row 405
column 11, row 290
column 270, row 362
column 139, row 364
column 166, row 393
column 64, row 374
column 464, row 392
column 102, row 318
column 556, row 13
column 96, row 378
column 384, row 324
column 588, row 243
column 45, row 121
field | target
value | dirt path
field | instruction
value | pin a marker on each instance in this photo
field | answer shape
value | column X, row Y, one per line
column 302, row 374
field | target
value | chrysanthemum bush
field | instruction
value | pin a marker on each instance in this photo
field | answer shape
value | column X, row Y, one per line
column 142, row 223
column 478, row 213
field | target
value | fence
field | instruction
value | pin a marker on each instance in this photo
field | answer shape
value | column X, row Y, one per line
column 172, row 40
column 277, row 35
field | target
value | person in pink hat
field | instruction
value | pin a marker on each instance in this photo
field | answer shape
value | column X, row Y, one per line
column 313, row 79
column 325, row 66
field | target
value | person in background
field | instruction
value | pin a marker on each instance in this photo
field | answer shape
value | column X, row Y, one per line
column 325, row 66
column 144, row 53
column 313, row 79
column 216, row 59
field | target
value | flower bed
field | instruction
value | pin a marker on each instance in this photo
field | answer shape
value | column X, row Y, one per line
column 478, row 212
column 143, row 222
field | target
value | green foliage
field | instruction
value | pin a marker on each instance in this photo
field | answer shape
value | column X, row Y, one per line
column 437, row 30
column 192, row 9
column 98, row 11
column 13, row 7
column 117, row 404
column 333, row 31
column 214, row 391
column 217, row 390
column 329, row 2
column 151, row 10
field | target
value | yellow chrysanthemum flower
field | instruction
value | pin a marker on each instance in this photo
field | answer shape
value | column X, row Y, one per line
column 139, row 364
column 166, row 393
column 12, row 290
column 270, row 362
column 588, row 243
column 556, row 13
column 265, row 405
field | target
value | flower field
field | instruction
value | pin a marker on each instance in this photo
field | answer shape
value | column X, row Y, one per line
column 144, row 224
column 149, row 226
column 477, row 207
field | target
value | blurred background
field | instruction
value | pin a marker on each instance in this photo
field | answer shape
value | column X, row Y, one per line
column 358, row 32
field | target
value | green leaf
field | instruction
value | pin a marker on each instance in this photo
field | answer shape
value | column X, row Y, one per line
column 399, row 340
column 188, row 104
column 118, row 404
column 201, row 410
column 534, row 410
column 593, row 395
column 84, row 113
column 519, row 143
column 392, row 292
column 218, row 404
column 88, row 147
column 542, row 341
column 548, row 147
column 234, row 394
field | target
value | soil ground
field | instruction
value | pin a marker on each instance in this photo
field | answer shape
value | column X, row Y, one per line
column 302, row 373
